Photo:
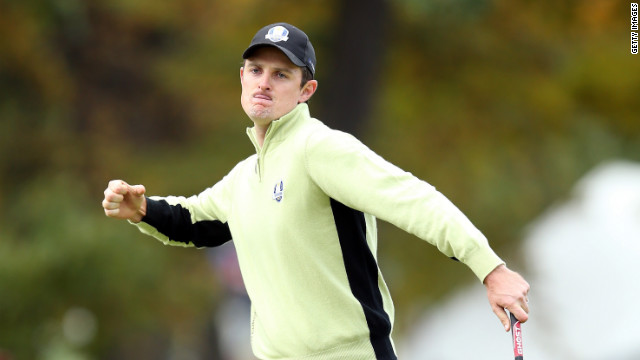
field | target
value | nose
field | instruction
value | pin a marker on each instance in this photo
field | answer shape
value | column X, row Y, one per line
column 264, row 83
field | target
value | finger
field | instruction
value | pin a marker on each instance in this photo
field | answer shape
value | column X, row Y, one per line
column 107, row 205
column 112, row 212
column 519, row 313
column 110, row 196
column 118, row 186
column 502, row 316
column 138, row 190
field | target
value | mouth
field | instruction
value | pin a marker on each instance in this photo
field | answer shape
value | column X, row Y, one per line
column 262, row 97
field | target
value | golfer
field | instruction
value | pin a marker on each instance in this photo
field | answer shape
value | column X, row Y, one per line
column 302, row 213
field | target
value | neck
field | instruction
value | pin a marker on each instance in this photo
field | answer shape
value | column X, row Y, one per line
column 261, row 132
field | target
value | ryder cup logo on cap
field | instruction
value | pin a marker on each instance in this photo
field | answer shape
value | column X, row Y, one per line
column 292, row 41
column 277, row 33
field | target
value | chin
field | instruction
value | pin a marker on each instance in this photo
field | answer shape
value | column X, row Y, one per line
column 261, row 117
column 260, row 114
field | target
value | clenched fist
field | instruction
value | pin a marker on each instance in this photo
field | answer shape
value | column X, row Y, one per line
column 124, row 201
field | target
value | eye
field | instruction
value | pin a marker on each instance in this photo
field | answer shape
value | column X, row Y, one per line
column 254, row 70
column 281, row 75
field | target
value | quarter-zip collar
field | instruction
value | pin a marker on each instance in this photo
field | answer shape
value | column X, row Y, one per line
column 278, row 131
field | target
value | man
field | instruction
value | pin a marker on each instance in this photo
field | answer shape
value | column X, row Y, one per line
column 302, row 213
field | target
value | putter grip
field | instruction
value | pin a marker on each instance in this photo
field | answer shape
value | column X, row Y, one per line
column 516, row 335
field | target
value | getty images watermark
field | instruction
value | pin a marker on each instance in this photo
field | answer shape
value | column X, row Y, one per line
column 634, row 28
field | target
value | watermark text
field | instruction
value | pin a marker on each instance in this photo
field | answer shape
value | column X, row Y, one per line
column 634, row 28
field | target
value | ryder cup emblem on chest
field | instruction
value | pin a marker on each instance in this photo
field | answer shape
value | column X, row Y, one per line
column 278, row 191
column 277, row 33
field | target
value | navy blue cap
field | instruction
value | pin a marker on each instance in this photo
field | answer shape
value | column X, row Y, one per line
column 292, row 41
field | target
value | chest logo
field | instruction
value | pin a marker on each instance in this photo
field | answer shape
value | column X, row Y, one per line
column 278, row 191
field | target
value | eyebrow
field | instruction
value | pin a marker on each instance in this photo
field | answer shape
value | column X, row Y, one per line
column 287, row 69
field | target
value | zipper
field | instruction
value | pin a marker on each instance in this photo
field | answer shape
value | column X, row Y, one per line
column 260, row 151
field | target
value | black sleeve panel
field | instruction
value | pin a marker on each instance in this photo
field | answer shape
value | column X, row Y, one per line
column 174, row 222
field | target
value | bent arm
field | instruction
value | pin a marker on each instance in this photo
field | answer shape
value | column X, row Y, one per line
column 196, row 221
column 171, row 223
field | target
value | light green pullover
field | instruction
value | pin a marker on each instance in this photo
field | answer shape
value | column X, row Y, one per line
column 302, row 213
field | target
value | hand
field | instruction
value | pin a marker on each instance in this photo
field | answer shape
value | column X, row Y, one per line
column 508, row 290
column 124, row 201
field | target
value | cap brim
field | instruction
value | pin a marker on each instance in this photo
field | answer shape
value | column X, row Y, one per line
column 293, row 58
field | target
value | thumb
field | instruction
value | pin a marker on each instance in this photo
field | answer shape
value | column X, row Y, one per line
column 137, row 190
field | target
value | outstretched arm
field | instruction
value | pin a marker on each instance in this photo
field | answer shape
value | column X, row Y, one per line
column 507, row 290
column 124, row 201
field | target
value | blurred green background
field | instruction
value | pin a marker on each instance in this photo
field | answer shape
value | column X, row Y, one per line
column 500, row 104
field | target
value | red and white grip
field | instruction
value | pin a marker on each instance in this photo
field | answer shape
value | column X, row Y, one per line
column 516, row 334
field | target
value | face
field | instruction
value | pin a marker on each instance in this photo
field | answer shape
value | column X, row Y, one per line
column 271, row 85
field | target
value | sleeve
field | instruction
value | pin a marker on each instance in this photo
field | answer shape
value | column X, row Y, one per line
column 349, row 172
column 199, row 220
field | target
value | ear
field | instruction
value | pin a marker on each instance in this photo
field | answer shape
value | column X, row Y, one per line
column 241, row 74
column 308, row 90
